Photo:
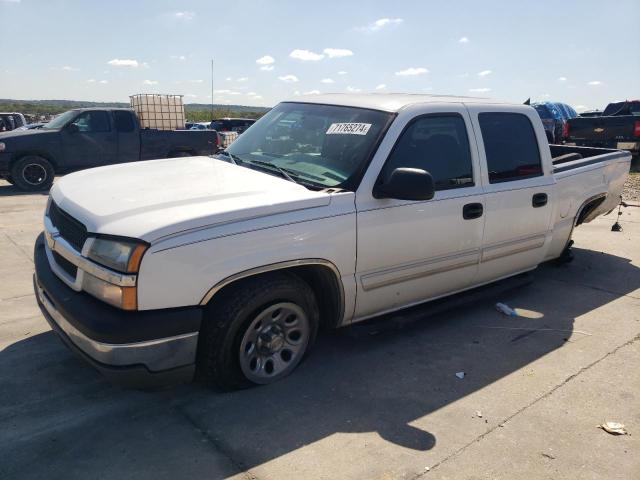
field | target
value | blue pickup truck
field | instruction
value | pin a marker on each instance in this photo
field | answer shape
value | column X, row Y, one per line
column 85, row 138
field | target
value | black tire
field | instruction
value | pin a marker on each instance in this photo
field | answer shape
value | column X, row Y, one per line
column 32, row 173
column 228, row 318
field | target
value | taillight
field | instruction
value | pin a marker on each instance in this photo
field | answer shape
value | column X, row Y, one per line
column 565, row 130
column 636, row 129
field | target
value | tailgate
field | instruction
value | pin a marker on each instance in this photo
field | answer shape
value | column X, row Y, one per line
column 602, row 130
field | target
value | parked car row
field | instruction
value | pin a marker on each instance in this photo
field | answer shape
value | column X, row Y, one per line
column 11, row 120
column 238, row 125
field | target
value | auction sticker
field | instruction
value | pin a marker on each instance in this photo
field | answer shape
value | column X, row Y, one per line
column 348, row 129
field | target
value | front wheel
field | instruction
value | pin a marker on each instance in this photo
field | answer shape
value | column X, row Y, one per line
column 32, row 173
column 257, row 332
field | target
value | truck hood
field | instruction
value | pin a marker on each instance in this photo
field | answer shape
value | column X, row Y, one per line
column 150, row 200
column 18, row 137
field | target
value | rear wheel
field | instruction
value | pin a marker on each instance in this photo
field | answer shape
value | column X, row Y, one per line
column 32, row 173
column 257, row 332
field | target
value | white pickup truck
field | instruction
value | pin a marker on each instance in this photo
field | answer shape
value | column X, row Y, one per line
column 329, row 210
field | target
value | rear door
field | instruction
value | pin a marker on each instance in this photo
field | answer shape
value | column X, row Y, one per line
column 128, row 136
column 93, row 143
column 518, row 189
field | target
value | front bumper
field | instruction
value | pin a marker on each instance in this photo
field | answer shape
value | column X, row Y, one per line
column 137, row 348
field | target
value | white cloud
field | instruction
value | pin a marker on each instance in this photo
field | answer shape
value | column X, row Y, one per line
column 11, row 1
column 124, row 62
column 353, row 89
column 242, row 79
column 594, row 83
column 222, row 91
column 411, row 71
column 267, row 68
column 312, row 92
column 91, row 80
column 150, row 82
column 306, row 55
column 67, row 68
column 185, row 16
column 191, row 95
column 327, row 80
column 228, row 79
column 581, row 108
column 562, row 79
column 266, row 60
column 484, row 73
column 337, row 52
column 342, row 72
column 256, row 97
column 382, row 86
column 104, row 82
column 480, row 90
column 197, row 80
column 545, row 95
column 381, row 23
column 251, row 94
column 182, row 58
column 463, row 40
column 288, row 78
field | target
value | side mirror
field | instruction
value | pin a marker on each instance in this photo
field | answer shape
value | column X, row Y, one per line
column 72, row 128
column 407, row 184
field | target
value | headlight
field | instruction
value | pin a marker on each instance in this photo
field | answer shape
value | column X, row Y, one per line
column 119, row 255
column 2, row 146
column 125, row 298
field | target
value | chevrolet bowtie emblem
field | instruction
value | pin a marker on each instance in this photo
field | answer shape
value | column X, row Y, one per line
column 598, row 130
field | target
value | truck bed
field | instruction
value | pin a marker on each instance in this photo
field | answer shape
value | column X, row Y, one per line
column 156, row 143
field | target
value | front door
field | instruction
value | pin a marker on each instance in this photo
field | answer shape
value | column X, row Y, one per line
column 413, row 251
column 518, row 192
column 92, row 142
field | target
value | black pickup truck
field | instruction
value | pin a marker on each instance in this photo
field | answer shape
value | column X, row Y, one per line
column 88, row 137
column 618, row 127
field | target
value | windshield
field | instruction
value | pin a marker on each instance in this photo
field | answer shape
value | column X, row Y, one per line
column 324, row 145
column 61, row 120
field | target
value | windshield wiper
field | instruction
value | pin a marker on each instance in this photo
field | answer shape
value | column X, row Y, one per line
column 280, row 170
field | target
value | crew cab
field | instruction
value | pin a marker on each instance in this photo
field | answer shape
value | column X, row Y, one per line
column 617, row 127
column 330, row 210
column 90, row 137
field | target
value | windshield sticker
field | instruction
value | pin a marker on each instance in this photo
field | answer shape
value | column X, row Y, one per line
column 348, row 128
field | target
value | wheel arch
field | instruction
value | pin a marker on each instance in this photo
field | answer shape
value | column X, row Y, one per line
column 25, row 153
column 321, row 275
column 588, row 207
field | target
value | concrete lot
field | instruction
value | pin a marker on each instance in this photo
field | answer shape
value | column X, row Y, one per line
column 379, row 401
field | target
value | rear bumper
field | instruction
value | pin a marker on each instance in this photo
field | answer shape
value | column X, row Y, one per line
column 130, row 360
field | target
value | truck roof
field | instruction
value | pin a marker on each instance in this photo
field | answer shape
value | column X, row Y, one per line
column 83, row 109
column 388, row 102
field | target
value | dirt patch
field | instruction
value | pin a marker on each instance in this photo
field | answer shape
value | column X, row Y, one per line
column 631, row 190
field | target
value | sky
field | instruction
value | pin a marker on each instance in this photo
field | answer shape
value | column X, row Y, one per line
column 581, row 52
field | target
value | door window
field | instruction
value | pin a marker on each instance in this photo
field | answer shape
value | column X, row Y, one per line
column 124, row 121
column 510, row 145
column 93, row 122
column 438, row 144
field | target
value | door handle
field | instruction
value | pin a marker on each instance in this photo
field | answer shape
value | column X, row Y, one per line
column 539, row 200
column 472, row 210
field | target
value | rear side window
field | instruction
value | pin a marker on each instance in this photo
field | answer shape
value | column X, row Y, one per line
column 124, row 121
column 511, row 147
column 438, row 144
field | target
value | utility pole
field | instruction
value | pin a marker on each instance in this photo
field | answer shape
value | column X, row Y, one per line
column 212, row 89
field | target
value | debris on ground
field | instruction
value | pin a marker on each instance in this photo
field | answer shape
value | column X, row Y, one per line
column 478, row 414
column 631, row 189
column 549, row 456
column 506, row 309
column 614, row 428
column 460, row 375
